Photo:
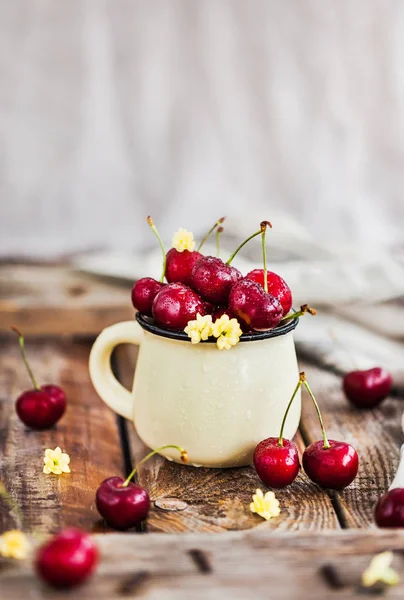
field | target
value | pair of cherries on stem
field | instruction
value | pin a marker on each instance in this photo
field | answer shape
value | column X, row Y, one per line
column 124, row 504
column 329, row 463
column 43, row 406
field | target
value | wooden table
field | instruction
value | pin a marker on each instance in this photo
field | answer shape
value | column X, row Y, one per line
column 215, row 548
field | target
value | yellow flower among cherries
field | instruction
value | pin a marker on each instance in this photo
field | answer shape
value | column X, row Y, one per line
column 227, row 331
column 183, row 240
column 14, row 544
column 266, row 506
column 199, row 329
column 56, row 462
column 380, row 570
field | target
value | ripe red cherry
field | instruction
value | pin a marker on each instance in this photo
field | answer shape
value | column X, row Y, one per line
column 122, row 506
column 180, row 265
column 41, row 407
column 277, row 465
column 333, row 467
column 176, row 304
column 67, row 559
column 367, row 389
column 277, row 287
column 253, row 306
column 143, row 294
column 213, row 279
column 389, row 510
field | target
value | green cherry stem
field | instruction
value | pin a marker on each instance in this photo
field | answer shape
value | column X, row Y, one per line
column 297, row 388
column 182, row 451
column 264, row 256
column 24, row 358
column 156, row 233
column 305, row 308
column 306, row 385
column 219, row 230
column 259, row 232
column 218, row 222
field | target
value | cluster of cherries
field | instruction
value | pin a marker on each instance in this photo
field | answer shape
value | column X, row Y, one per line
column 208, row 285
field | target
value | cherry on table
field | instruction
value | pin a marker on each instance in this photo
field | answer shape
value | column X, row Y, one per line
column 276, row 460
column 329, row 463
column 124, row 504
column 389, row 511
column 176, row 304
column 68, row 559
column 367, row 388
column 42, row 406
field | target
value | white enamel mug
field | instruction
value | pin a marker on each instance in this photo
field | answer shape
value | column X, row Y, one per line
column 217, row 404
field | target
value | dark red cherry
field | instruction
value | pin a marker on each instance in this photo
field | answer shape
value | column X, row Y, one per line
column 389, row 510
column 213, row 279
column 68, row 559
column 277, row 466
column 277, row 287
column 41, row 409
column 180, row 264
column 122, row 506
column 176, row 304
column 334, row 467
column 253, row 306
column 366, row 389
column 143, row 294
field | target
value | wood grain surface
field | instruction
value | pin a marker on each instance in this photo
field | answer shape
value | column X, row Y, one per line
column 88, row 432
column 237, row 565
column 376, row 434
column 54, row 300
column 218, row 499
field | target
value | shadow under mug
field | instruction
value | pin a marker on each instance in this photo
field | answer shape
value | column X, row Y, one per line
column 217, row 404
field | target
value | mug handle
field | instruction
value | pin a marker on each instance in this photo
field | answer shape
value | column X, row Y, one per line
column 114, row 394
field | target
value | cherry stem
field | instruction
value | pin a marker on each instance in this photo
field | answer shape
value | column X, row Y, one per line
column 218, row 222
column 264, row 224
column 264, row 257
column 24, row 358
column 306, row 385
column 305, row 308
column 297, row 388
column 218, row 232
column 184, row 458
column 156, row 233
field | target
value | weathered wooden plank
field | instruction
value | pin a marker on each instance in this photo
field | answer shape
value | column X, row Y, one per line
column 239, row 565
column 54, row 300
column 376, row 435
column 88, row 432
column 218, row 499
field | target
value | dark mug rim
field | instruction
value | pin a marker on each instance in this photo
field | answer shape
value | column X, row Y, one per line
column 148, row 324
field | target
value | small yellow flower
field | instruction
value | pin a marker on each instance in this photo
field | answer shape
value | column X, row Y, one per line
column 56, row 462
column 227, row 331
column 265, row 506
column 380, row 570
column 183, row 240
column 14, row 544
column 199, row 329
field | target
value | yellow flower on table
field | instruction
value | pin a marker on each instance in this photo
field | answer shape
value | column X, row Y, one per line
column 199, row 329
column 266, row 506
column 56, row 461
column 380, row 570
column 183, row 240
column 227, row 331
column 14, row 544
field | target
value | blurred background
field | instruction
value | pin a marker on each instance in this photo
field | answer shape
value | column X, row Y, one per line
column 111, row 110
